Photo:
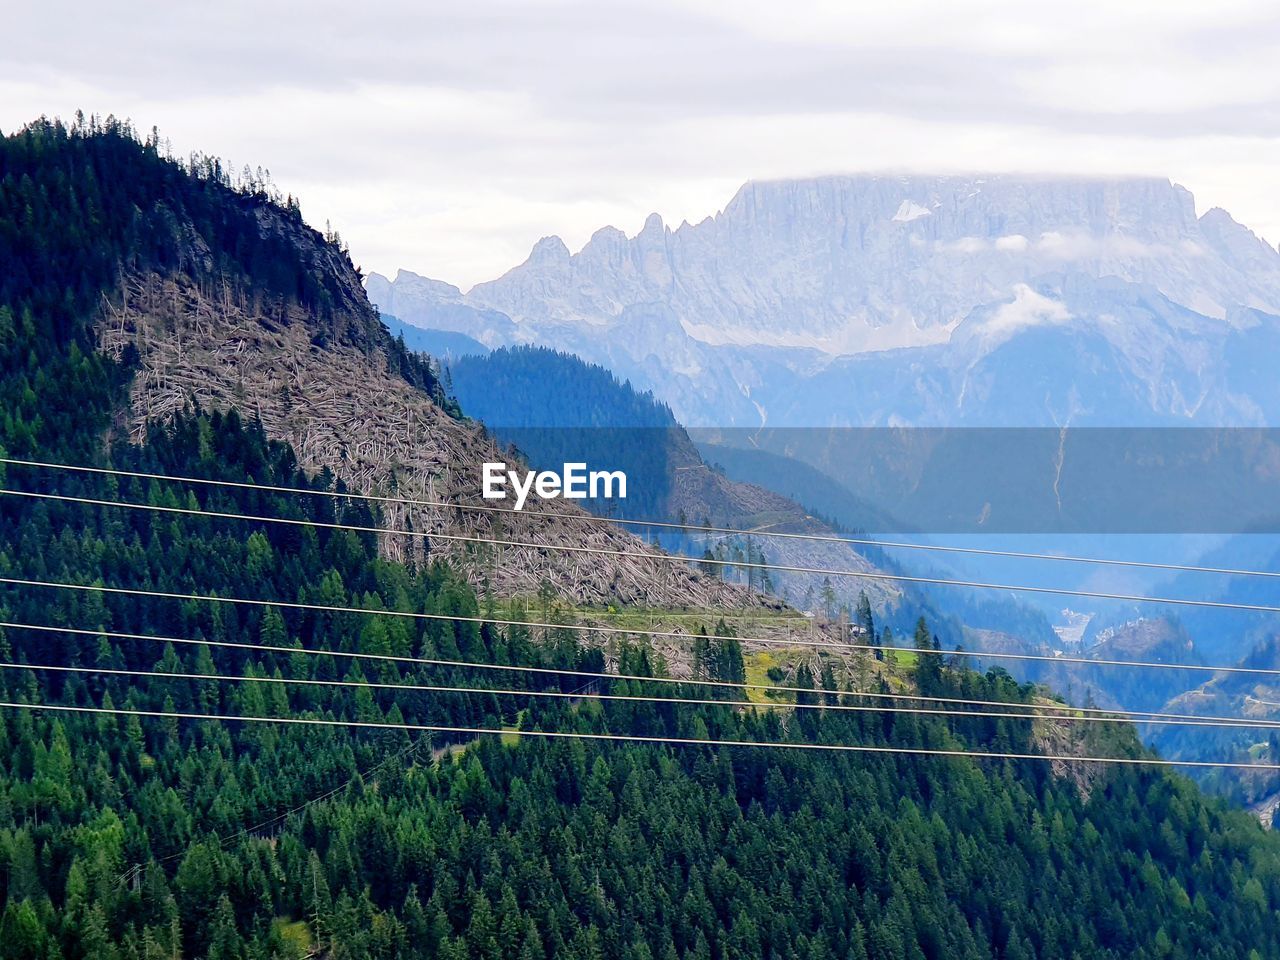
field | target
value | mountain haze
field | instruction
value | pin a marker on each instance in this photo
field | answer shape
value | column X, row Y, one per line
column 931, row 302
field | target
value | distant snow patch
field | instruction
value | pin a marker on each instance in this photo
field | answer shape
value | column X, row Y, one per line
column 910, row 210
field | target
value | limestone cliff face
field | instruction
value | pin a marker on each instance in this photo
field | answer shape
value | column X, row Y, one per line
column 849, row 264
column 869, row 285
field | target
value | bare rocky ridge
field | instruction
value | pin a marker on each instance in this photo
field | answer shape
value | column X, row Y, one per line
column 339, row 407
column 847, row 264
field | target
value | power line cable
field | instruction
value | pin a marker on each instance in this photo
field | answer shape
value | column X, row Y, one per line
column 633, row 631
column 1155, row 718
column 657, row 524
column 662, row 557
column 591, row 676
column 247, row 831
column 1202, row 721
column 476, row 732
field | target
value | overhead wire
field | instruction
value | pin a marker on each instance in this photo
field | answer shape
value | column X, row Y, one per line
column 633, row 631
column 379, row 530
column 1070, row 716
column 876, row 575
column 477, row 732
column 222, row 841
column 1135, row 716
column 687, row 528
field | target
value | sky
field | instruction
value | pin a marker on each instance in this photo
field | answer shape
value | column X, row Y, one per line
column 448, row 138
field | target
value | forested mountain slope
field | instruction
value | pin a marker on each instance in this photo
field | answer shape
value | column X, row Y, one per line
column 442, row 344
column 569, row 410
column 125, row 836
column 122, row 837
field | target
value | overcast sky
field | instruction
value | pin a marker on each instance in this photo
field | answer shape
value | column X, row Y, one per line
column 447, row 138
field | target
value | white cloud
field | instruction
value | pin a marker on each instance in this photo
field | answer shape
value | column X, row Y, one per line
column 968, row 245
column 1083, row 246
column 1069, row 247
column 1027, row 309
column 449, row 138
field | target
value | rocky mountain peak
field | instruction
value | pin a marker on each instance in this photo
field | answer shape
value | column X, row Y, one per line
column 653, row 227
column 849, row 264
column 548, row 250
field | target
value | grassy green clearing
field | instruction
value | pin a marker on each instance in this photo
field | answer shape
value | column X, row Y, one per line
column 296, row 935
column 510, row 737
column 642, row 618
column 758, row 666
column 902, row 658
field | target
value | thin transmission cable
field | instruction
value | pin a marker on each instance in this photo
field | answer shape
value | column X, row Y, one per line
column 630, row 631
column 660, row 557
column 476, row 732
column 659, row 524
column 1172, row 720
column 1134, row 715
column 320, row 798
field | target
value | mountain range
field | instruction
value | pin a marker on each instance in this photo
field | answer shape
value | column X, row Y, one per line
column 870, row 301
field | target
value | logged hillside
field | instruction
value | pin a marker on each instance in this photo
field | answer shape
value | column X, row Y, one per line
column 210, row 295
